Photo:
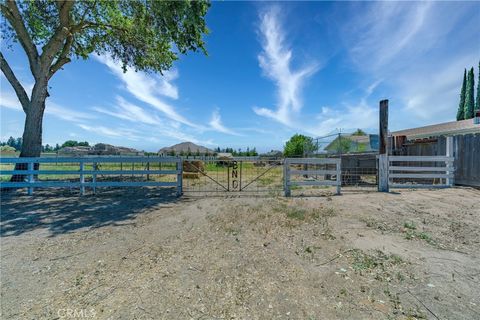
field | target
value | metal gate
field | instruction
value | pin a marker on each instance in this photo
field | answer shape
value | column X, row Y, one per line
column 261, row 176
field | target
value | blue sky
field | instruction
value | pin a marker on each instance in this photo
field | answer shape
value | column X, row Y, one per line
column 273, row 69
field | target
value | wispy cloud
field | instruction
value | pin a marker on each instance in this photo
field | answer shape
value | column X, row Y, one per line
column 217, row 125
column 419, row 51
column 128, row 111
column 123, row 133
column 10, row 101
column 347, row 118
column 149, row 88
column 275, row 61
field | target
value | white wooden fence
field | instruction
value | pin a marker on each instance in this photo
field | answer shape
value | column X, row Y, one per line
column 79, row 171
column 400, row 168
column 288, row 173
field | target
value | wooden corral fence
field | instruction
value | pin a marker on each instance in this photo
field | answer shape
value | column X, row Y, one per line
column 310, row 176
column 93, row 172
column 420, row 171
column 466, row 151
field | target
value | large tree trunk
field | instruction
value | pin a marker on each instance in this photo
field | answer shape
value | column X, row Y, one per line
column 32, row 136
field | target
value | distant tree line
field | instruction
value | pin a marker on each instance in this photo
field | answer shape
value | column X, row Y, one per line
column 239, row 152
column 468, row 105
column 16, row 143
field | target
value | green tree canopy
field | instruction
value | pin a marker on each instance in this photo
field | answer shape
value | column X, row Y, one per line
column 359, row 132
column 298, row 145
column 144, row 35
column 73, row 143
column 461, row 104
column 469, row 95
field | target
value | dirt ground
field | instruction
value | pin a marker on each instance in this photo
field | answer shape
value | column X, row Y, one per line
column 144, row 254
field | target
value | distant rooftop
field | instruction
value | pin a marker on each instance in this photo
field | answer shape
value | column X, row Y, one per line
column 441, row 129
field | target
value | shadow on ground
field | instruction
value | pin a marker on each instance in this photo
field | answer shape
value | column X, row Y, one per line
column 61, row 211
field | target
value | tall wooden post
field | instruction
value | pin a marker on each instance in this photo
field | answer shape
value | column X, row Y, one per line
column 383, row 162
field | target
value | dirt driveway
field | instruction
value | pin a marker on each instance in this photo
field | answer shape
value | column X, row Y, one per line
column 147, row 255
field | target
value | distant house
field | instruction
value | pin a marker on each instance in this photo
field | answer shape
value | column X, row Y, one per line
column 272, row 154
column 353, row 143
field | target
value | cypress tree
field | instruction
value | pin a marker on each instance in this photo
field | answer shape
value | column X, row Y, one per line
column 469, row 96
column 461, row 105
column 477, row 101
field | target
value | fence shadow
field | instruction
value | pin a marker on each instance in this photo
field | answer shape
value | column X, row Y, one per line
column 62, row 212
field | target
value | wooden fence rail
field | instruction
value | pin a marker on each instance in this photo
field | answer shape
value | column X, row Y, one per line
column 412, row 171
column 31, row 180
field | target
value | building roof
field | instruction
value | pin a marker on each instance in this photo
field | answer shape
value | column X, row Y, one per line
column 441, row 129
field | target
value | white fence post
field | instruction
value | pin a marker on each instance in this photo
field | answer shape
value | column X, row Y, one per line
column 30, row 177
column 449, row 165
column 338, row 167
column 82, row 179
column 179, row 177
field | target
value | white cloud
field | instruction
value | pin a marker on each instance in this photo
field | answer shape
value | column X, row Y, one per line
column 419, row 51
column 217, row 125
column 10, row 101
column 128, row 111
column 148, row 88
column 348, row 118
column 275, row 61
column 111, row 132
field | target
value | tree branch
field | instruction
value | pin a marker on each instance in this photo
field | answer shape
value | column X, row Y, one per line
column 50, row 50
column 17, row 86
column 63, row 58
column 15, row 19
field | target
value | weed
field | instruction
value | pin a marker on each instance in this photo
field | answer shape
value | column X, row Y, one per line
column 427, row 237
column 410, row 234
column 410, row 225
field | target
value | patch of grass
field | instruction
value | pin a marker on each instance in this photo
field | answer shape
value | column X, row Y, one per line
column 426, row 236
column 296, row 213
column 364, row 261
column 412, row 234
column 410, row 225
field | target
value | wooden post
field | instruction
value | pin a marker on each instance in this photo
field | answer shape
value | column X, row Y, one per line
column 179, row 177
column 338, row 167
column 286, row 177
column 82, row 179
column 449, row 165
column 30, row 178
column 148, row 169
column 383, row 162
